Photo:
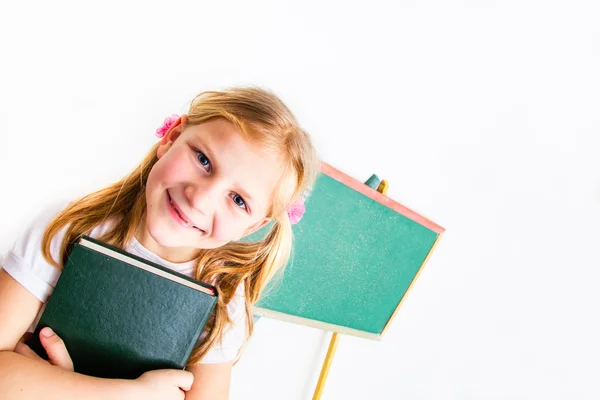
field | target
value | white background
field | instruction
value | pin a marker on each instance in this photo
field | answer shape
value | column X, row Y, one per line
column 482, row 115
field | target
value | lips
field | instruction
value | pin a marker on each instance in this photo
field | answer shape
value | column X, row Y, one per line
column 181, row 214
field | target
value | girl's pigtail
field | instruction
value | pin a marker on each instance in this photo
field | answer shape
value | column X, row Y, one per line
column 274, row 252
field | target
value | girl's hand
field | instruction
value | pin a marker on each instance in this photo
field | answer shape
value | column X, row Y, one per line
column 164, row 384
column 54, row 346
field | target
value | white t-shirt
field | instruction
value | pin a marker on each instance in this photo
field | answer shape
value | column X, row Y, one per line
column 26, row 264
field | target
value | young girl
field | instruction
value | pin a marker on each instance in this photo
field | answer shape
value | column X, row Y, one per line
column 237, row 161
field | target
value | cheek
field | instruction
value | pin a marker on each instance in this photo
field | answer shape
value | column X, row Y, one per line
column 228, row 228
column 167, row 170
column 153, row 179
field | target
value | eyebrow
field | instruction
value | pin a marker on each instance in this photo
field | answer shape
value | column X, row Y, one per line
column 211, row 156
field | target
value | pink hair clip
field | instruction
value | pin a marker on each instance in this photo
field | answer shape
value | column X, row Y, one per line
column 296, row 210
column 169, row 121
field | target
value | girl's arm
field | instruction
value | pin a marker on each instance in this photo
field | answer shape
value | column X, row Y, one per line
column 25, row 378
column 211, row 381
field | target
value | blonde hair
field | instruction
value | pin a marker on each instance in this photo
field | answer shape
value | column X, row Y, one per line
column 258, row 115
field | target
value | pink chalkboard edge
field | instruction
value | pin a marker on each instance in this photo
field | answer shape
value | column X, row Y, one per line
column 379, row 197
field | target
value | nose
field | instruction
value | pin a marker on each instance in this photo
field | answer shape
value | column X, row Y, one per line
column 202, row 197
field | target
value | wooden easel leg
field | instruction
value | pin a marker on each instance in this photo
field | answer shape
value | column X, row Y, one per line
column 326, row 365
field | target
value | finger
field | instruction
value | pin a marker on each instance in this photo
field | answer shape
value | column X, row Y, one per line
column 184, row 379
column 22, row 348
column 56, row 349
column 189, row 380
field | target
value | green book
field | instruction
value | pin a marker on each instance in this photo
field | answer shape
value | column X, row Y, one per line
column 121, row 315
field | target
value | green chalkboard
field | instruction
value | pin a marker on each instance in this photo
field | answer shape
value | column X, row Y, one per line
column 355, row 256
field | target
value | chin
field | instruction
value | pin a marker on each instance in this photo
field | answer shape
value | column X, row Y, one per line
column 163, row 237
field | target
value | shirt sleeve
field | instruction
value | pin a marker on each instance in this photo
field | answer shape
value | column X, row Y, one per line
column 234, row 334
column 25, row 262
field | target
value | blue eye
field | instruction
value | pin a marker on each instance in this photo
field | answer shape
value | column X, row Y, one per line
column 239, row 201
column 203, row 160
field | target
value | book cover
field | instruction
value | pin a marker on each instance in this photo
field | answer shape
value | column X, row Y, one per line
column 120, row 315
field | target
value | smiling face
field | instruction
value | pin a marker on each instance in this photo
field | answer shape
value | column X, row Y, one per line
column 210, row 186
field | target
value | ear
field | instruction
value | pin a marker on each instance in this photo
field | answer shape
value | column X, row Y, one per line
column 171, row 135
column 254, row 227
